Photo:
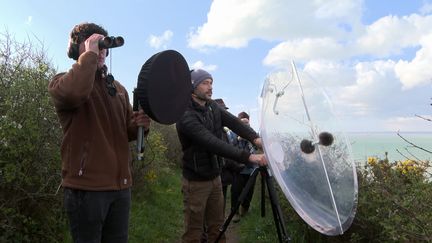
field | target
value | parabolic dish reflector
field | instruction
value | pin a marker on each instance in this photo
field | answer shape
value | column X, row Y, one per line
column 320, row 181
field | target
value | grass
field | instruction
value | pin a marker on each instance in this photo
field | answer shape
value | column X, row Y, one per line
column 253, row 227
column 157, row 209
column 157, row 212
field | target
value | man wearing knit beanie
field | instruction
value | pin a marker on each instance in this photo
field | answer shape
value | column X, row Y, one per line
column 200, row 132
column 199, row 76
column 202, row 85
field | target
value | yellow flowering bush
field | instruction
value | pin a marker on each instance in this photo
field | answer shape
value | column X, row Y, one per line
column 146, row 170
column 392, row 194
column 150, row 176
column 372, row 161
column 410, row 167
column 407, row 169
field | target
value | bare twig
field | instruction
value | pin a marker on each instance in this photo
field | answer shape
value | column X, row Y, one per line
column 414, row 145
column 403, row 155
column 424, row 118
column 415, row 157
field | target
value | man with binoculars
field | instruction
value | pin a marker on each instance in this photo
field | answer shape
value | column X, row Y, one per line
column 98, row 123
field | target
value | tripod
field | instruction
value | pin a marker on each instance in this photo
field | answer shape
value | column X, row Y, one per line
column 266, row 177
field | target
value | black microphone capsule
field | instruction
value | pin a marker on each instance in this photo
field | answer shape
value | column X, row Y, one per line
column 326, row 138
column 306, row 146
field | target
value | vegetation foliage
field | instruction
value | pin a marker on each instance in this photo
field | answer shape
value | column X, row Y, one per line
column 394, row 205
column 395, row 202
column 29, row 146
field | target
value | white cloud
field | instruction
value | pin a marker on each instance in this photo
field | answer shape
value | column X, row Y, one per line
column 366, row 90
column 378, row 40
column 417, row 72
column 232, row 23
column 329, row 73
column 390, row 34
column 201, row 65
column 304, row 50
column 369, row 95
column 345, row 9
column 161, row 41
column 408, row 124
column 378, row 93
column 362, row 90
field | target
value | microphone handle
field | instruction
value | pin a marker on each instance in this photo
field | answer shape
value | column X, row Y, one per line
column 140, row 143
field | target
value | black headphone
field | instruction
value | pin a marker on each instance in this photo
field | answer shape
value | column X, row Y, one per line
column 73, row 51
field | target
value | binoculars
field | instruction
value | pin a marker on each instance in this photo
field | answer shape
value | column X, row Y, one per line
column 110, row 42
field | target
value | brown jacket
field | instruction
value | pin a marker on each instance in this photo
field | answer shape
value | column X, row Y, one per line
column 96, row 128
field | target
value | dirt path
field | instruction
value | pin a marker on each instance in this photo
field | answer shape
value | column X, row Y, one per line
column 232, row 235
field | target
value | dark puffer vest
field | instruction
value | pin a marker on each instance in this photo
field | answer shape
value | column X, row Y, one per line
column 200, row 133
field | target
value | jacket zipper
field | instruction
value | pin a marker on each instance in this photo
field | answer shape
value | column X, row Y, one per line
column 195, row 163
column 109, row 101
column 83, row 159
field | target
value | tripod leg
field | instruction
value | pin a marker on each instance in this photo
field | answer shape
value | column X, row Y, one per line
column 277, row 212
column 240, row 200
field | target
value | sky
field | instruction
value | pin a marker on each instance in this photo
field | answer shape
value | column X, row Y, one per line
column 374, row 56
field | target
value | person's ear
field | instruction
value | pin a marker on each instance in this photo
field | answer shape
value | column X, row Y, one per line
column 73, row 50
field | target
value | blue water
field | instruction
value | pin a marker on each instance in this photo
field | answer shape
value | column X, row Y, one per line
column 375, row 144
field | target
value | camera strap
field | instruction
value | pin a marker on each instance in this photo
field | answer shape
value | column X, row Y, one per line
column 109, row 82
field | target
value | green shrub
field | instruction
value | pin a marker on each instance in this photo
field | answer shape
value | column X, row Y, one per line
column 29, row 147
column 154, row 158
column 174, row 150
column 394, row 205
column 395, row 202
column 162, row 153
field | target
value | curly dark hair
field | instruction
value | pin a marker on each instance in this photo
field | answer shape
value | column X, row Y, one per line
column 243, row 115
column 81, row 32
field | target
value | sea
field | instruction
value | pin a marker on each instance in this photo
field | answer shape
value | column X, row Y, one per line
column 377, row 144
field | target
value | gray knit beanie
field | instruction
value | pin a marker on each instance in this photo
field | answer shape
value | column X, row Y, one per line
column 199, row 75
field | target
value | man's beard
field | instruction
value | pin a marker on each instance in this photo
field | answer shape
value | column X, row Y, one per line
column 202, row 96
